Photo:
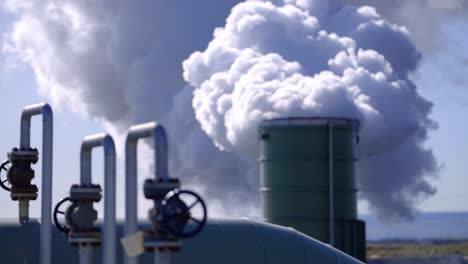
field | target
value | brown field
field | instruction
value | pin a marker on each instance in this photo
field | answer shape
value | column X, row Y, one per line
column 416, row 249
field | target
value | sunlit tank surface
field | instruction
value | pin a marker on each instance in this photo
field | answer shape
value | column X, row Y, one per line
column 222, row 241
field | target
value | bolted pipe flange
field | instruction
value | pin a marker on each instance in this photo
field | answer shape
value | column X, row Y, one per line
column 83, row 239
column 20, row 174
column 80, row 215
column 154, row 241
column 158, row 239
column 158, row 189
column 83, row 192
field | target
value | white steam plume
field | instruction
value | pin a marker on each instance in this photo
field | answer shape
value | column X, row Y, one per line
column 121, row 62
column 436, row 28
column 272, row 61
column 421, row 17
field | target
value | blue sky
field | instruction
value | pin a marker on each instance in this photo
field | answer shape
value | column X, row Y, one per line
column 19, row 89
column 441, row 79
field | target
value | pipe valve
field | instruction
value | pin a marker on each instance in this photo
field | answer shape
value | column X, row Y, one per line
column 182, row 213
column 80, row 215
column 5, row 166
column 162, row 238
column 19, row 176
column 156, row 190
column 158, row 238
column 174, row 215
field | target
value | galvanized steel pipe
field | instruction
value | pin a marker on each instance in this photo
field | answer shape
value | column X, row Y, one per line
column 109, row 227
column 158, row 133
column 47, row 148
column 86, row 255
column 162, row 258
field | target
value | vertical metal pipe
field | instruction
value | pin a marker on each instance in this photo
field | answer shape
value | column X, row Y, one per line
column 86, row 255
column 162, row 258
column 131, row 212
column 23, row 210
column 331, row 183
column 158, row 133
column 109, row 226
column 109, row 229
column 47, row 149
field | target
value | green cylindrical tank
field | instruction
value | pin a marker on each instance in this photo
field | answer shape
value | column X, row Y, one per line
column 308, row 179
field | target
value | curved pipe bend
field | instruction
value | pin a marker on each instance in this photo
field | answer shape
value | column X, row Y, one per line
column 29, row 111
column 87, row 146
column 47, row 148
column 109, row 226
column 158, row 133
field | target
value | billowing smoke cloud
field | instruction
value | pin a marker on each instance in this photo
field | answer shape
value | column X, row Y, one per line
column 121, row 62
column 273, row 61
column 435, row 27
column 421, row 17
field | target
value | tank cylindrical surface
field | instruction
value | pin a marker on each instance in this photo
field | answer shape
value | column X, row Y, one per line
column 299, row 159
column 227, row 241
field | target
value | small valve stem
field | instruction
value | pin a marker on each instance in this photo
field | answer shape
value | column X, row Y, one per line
column 23, row 210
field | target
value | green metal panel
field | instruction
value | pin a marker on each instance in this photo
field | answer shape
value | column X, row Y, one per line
column 295, row 183
column 225, row 241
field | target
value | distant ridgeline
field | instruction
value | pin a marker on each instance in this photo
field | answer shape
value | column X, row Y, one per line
column 427, row 226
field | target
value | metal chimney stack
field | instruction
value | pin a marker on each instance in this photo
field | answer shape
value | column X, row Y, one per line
column 308, row 179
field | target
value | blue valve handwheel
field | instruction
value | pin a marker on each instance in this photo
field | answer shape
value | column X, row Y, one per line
column 177, row 217
column 61, row 227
